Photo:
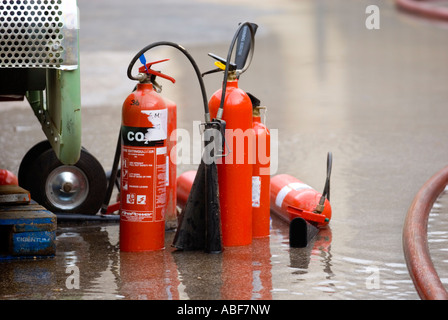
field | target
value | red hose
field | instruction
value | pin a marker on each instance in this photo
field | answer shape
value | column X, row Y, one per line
column 421, row 8
column 415, row 239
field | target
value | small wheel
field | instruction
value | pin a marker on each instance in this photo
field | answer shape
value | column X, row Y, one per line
column 79, row 188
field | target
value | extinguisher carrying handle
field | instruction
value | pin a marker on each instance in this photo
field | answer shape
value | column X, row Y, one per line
column 309, row 216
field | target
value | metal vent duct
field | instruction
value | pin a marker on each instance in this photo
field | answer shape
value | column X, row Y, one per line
column 39, row 34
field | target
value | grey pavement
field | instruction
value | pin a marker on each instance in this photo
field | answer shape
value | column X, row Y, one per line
column 375, row 98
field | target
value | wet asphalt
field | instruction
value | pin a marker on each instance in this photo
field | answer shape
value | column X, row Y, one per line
column 375, row 98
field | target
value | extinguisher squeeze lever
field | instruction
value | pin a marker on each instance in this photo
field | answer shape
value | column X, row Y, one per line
column 146, row 70
column 221, row 64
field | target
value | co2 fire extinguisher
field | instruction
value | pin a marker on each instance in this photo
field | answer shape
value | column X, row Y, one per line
column 291, row 198
column 147, row 163
column 144, row 165
column 260, row 173
column 233, row 105
column 171, row 167
column 235, row 171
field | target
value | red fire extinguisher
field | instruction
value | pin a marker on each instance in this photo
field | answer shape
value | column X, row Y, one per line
column 233, row 105
column 235, row 170
column 291, row 198
column 171, row 167
column 144, row 134
column 260, row 174
column 184, row 184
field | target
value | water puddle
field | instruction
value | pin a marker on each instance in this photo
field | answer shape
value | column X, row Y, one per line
column 89, row 265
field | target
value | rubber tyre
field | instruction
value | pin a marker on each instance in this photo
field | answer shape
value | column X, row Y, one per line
column 24, row 174
column 46, row 166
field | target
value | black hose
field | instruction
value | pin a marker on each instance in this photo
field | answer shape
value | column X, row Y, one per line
column 326, row 192
column 113, row 176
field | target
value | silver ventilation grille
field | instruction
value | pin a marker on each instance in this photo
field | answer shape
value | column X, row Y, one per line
column 39, row 34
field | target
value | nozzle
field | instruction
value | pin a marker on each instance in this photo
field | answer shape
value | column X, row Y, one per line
column 244, row 44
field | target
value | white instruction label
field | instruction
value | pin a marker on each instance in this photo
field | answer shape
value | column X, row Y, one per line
column 256, row 190
column 159, row 121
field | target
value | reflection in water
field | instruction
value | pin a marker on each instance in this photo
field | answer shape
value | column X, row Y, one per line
column 267, row 269
column 106, row 273
column 148, row 276
column 199, row 274
column 238, row 273
column 262, row 277
column 319, row 247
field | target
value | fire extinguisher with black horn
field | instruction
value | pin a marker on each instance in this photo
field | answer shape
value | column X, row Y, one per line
column 261, row 171
column 306, row 210
column 232, row 105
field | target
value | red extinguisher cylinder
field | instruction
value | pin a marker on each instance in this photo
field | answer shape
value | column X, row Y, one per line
column 143, row 170
column 291, row 198
column 261, row 179
column 235, row 168
column 171, row 211
column 184, row 184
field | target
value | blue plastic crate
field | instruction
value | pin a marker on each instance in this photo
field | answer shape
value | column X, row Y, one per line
column 27, row 231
